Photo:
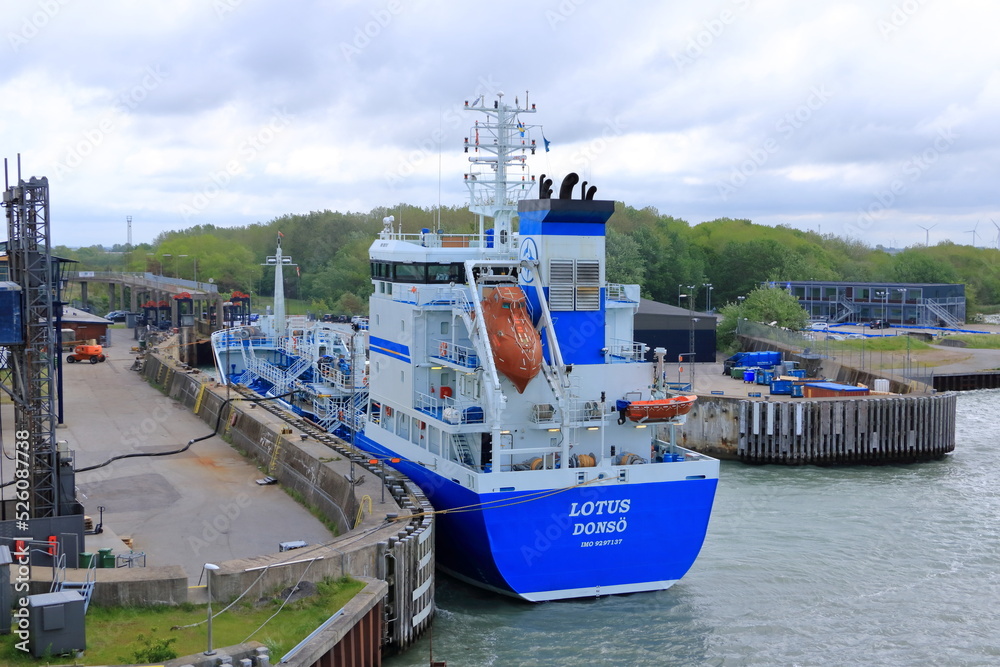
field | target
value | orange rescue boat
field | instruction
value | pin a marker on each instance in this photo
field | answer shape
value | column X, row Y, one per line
column 660, row 410
column 517, row 347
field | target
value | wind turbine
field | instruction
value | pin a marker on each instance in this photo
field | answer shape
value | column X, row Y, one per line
column 998, row 232
column 973, row 232
column 927, row 230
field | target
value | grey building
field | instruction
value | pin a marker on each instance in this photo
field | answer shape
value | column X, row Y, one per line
column 662, row 325
column 921, row 304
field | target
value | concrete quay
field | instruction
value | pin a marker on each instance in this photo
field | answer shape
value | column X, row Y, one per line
column 179, row 511
column 188, row 509
column 740, row 421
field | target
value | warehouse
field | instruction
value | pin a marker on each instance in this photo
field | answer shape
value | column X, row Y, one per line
column 661, row 325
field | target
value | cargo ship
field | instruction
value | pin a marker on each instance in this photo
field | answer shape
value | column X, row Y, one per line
column 504, row 380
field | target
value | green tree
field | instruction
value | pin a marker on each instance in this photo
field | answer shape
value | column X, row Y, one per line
column 625, row 263
column 765, row 305
column 915, row 265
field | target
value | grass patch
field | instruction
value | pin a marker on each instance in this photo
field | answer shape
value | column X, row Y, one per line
column 117, row 635
column 977, row 341
column 879, row 344
column 325, row 520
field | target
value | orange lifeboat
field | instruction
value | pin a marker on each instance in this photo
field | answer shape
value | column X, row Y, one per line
column 659, row 410
column 517, row 348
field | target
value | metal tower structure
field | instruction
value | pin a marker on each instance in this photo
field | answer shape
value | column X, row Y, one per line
column 279, row 261
column 503, row 147
column 32, row 379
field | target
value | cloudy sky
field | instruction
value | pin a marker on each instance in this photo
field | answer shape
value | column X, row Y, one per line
column 873, row 119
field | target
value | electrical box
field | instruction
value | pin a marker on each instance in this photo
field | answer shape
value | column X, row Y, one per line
column 11, row 319
column 56, row 623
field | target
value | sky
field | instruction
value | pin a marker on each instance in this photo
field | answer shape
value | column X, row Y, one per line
column 874, row 120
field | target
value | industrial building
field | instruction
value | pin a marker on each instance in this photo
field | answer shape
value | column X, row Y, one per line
column 84, row 326
column 920, row 304
column 679, row 330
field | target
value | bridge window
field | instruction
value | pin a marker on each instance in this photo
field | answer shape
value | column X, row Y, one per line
column 418, row 272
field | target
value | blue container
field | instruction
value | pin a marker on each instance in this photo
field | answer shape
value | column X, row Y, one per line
column 781, row 387
column 473, row 415
column 798, row 373
column 11, row 322
column 749, row 375
column 796, row 391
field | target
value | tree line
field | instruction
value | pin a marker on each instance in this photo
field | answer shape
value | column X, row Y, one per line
column 663, row 254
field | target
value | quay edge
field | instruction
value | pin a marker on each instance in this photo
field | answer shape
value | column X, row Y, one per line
column 401, row 554
column 866, row 431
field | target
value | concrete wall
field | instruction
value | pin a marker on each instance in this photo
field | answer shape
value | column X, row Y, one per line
column 399, row 552
column 892, row 429
column 125, row 586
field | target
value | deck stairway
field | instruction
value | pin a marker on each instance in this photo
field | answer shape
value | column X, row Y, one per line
column 462, row 447
column 84, row 588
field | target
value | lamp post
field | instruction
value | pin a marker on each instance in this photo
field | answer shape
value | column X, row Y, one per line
column 210, row 568
column 884, row 294
column 194, row 261
column 902, row 304
column 694, row 321
column 708, row 296
column 679, row 295
column 691, row 294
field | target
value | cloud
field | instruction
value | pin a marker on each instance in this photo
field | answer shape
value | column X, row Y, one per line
column 655, row 103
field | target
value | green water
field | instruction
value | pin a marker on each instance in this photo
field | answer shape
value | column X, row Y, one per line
column 894, row 565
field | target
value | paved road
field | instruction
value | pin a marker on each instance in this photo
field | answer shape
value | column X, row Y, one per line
column 184, row 509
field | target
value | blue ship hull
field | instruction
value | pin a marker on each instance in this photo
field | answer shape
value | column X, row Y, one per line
column 564, row 543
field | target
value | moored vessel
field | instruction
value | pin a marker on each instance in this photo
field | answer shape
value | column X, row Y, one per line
column 497, row 362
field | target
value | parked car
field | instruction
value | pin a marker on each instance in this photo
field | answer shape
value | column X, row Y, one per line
column 879, row 324
column 116, row 316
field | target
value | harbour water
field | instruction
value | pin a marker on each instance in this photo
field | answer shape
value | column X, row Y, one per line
column 894, row 565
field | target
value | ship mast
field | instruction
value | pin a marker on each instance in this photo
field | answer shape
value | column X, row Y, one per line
column 277, row 260
column 499, row 147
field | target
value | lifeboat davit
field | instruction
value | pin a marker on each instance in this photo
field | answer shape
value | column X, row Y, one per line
column 660, row 410
column 517, row 348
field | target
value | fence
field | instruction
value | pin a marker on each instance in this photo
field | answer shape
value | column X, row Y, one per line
column 866, row 353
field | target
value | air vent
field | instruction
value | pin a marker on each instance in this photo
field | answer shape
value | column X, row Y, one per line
column 588, row 284
column 561, row 284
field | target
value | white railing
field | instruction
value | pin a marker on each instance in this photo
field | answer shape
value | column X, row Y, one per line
column 336, row 377
column 460, row 355
column 586, row 411
column 448, row 409
column 544, row 413
column 627, row 351
column 624, row 293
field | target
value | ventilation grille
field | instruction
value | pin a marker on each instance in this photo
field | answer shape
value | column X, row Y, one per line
column 588, row 284
column 561, row 284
